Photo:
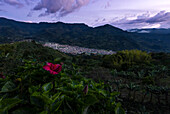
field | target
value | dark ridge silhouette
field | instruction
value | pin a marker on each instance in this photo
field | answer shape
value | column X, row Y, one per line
column 103, row 37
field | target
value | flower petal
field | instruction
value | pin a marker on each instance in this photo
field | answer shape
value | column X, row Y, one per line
column 53, row 72
column 47, row 67
column 56, row 66
column 53, row 68
column 50, row 64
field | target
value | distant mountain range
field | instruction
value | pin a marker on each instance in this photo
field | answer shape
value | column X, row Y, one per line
column 103, row 37
column 153, row 31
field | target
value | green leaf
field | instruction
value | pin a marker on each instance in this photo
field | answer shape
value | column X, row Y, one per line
column 40, row 100
column 32, row 89
column 7, row 104
column 90, row 100
column 56, row 105
column 56, row 96
column 44, row 112
column 85, row 110
column 102, row 92
column 47, row 86
column 8, row 86
column 119, row 109
column 37, row 100
column 115, row 93
column 57, row 60
column 63, row 75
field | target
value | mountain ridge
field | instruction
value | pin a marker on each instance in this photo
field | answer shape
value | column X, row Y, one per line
column 103, row 37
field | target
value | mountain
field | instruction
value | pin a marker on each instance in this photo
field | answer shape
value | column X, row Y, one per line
column 103, row 37
column 153, row 30
column 157, row 35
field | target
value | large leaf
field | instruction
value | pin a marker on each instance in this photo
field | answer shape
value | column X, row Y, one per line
column 8, row 86
column 56, row 105
column 90, row 100
column 7, row 104
column 47, row 87
column 40, row 100
column 119, row 109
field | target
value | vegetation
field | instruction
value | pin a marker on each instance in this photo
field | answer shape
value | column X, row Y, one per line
column 104, row 37
column 29, row 88
column 130, row 81
column 141, row 78
column 124, row 59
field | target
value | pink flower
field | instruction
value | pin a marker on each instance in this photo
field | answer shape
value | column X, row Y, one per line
column 53, row 68
column 85, row 90
column 2, row 76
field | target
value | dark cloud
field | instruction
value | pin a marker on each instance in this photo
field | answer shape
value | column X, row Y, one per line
column 62, row 7
column 158, row 18
column 162, row 18
column 13, row 3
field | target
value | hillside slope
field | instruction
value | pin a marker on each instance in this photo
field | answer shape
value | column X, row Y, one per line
column 103, row 37
column 13, row 55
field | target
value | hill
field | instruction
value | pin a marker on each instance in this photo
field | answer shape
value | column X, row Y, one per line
column 13, row 55
column 131, row 80
column 26, row 86
column 103, row 37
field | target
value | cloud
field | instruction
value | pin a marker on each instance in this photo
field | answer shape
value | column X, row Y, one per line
column 145, row 20
column 2, row 10
column 159, row 18
column 13, row 3
column 62, row 7
column 17, row 3
column 28, row 21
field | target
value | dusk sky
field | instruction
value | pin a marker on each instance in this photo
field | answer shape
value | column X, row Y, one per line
column 125, row 14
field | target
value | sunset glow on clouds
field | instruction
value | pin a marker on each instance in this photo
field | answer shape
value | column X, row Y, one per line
column 125, row 14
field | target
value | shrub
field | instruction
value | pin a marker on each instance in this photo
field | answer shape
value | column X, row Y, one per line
column 126, row 58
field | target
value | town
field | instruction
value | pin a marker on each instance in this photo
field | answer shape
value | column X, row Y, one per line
column 78, row 50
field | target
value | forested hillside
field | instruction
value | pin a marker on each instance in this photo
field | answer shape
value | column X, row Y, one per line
column 103, row 37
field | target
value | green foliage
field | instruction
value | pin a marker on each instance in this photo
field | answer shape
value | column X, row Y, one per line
column 104, row 37
column 125, row 59
column 136, row 79
column 36, row 89
column 8, row 86
column 7, row 104
column 14, row 55
column 47, row 87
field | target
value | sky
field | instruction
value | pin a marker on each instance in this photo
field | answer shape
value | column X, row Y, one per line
column 124, row 14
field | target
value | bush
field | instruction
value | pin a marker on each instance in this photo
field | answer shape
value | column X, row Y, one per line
column 35, row 89
column 125, row 59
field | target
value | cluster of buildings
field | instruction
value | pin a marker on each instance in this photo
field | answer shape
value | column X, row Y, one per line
column 77, row 50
